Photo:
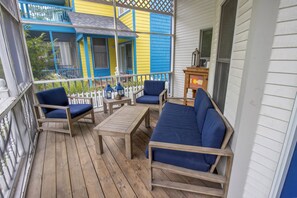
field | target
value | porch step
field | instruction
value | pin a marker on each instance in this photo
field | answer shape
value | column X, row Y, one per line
column 189, row 188
column 191, row 173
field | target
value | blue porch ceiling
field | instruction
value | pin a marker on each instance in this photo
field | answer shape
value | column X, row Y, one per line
column 54, row 2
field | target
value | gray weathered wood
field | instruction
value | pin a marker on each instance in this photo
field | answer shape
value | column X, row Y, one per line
column 111, row 102
column 122, row 123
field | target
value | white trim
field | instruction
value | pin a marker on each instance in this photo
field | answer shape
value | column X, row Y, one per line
column 286, row 155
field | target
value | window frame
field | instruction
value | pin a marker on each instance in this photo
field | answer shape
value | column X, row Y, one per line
column 107, row 53
column 201, row 43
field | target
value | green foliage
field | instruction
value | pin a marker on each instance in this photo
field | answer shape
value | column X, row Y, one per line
column 39, row 54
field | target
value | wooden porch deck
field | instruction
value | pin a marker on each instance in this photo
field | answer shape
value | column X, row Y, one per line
column 69, row 167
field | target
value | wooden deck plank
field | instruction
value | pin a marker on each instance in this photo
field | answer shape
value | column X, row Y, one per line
column 79, row 170
column 108, row 186
column 136, row 183
column 118, row 176
column 140, row 167
column 35, row 184
column 49, row 168
column 78, row 186
column 63, row 178
column 92, row 183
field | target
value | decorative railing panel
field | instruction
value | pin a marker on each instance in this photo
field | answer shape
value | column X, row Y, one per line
column 17, row 134
column 94, row 87
column 44, row 12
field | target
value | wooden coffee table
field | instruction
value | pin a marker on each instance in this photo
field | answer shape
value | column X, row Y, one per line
column 111, row 102
column 123, row 123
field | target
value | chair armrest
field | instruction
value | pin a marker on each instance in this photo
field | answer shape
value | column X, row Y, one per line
column 194, row 149
column 180, row 98
column 135, row 93
column 162, row 95
column 51, row 106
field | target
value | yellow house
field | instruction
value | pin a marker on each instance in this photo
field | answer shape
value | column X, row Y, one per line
column 138, row 53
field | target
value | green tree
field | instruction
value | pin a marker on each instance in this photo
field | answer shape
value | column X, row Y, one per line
column 39, row 53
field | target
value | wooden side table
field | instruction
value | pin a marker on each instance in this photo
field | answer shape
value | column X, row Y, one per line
column 111, row 102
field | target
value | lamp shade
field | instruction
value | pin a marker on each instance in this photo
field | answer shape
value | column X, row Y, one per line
column 120, row 89
column 108, row 91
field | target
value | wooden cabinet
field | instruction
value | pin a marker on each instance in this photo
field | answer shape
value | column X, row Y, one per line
column 195, row 77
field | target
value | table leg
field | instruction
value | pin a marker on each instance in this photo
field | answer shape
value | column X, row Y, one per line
column 128, row 145
column 104, row 107
column 147, row 119
column 110, row 109
column 99, row 144
column 129, row 102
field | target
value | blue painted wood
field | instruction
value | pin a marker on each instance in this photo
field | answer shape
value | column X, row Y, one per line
column 160, row 46
column 44, row 12
column 49, row 28
column 289, row 189
column 54, row 51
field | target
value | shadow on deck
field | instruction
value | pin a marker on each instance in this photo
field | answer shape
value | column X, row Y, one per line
column 69, row 167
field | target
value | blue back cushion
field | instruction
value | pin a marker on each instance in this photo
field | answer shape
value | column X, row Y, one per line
column 153, row 88
column 202, row 104
column 213, row 133
column 199, row 94
column 56, row 96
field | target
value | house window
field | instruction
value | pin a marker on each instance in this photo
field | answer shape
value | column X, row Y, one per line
column 123, row 10
column 100, row 53
column 205, row 43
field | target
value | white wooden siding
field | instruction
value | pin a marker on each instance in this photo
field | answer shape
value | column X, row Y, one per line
column 192, row 15
column 242, row 27
column 277, row 103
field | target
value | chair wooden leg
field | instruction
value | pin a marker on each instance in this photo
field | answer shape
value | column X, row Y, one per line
column 93, row 116
column 228, row 174
column 37, row 117
column 150, row 169
column 70, row 128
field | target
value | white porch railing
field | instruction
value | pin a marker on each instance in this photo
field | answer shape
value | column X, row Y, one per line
column 94, row 87
column 17, row 137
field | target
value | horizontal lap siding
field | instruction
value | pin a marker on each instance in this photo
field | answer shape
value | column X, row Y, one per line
column 88, row 7
column 191, row 16
column 142, row 20
column 127, row 19
column 242, row 26
column 160, row 45
column 277, row 103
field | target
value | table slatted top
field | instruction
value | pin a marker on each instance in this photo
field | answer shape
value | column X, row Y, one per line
column 123, row 120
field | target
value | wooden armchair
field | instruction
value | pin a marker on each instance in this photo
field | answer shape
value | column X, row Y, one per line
column 55, row 107
column 153, row 94
column 186, row 150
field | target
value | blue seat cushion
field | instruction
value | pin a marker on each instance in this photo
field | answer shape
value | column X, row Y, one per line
column 56, row 96
column 75, row 110
column 153, row 87
column 177, row 125
column 201, row 105
column 213, row 133
column 146, row 99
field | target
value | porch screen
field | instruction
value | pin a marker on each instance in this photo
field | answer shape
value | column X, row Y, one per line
column 157, row 6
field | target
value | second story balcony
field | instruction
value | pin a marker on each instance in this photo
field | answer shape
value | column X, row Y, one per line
column 44, row 12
